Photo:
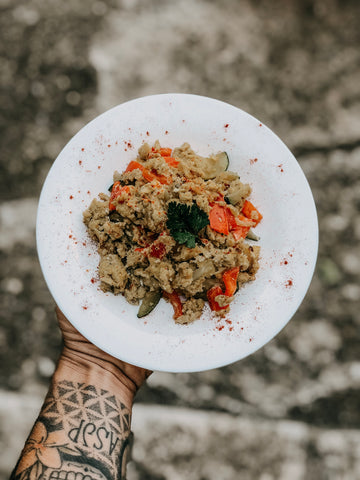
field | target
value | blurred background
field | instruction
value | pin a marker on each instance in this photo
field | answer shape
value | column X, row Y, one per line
column 290, row 411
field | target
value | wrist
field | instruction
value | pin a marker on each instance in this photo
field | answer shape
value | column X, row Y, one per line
column 84, row 425
column 104, row 372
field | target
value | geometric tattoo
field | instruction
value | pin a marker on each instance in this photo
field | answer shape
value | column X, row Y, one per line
column 82, row 433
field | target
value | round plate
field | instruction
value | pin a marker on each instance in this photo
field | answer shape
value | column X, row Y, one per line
column 288, row 233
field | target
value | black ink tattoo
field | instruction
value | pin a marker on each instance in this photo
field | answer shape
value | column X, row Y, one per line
column 82, row 433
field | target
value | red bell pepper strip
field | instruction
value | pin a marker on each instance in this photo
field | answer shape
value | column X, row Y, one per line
column 133, row 165
column 163, row 179
column 175, row 301
column 222, row 220
column 230, row 280
column 211, row 295
column 251, row 212
column 218, row 219
column 164, row 152
column 149, row 176
column 240, row 232
column 231, row 219
column 171, row 161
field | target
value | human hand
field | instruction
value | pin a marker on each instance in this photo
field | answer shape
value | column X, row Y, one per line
column 83, row 429
column 82, row 354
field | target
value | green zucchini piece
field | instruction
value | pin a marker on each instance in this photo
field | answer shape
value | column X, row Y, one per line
column 252, row 236
column 214, row 165
column 233, row 196
column 149, row 302
column 223, row 161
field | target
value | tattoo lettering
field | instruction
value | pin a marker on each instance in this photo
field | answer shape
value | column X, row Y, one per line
column 82, row 433
column 87, row 435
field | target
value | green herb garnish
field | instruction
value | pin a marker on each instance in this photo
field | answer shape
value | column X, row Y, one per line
column 185, row 222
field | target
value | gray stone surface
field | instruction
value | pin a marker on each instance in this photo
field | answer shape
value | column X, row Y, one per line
column 291, row 410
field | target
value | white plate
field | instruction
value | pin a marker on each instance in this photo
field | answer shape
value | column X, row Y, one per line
column 288, row 231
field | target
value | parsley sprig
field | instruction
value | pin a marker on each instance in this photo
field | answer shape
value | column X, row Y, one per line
column 185, row 222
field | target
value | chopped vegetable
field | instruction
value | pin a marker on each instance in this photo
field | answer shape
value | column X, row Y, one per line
column 223, row 221
column 214, row 165
column 157, row 250
column 251, row 212
column 231, row 219
column 223, row 161
column 246, row 222
column 116, row 190
column 211, row 295
column 149, row 302
column 233, row 197
column 218, row 219
column 171, row 161
column 134, row 165
column 185, row 222
column 252, row 236
column 163, row 179
column 230, row 281
column 149, row 176
column 166, row 154
column 240, row 232
column 175, row 302
column 163, row 151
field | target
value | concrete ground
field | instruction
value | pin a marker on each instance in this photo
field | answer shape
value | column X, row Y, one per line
column 291, row 410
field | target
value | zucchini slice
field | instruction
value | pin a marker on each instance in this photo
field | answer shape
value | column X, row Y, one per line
column 214, row 165
column 234, row 196
column 223, row 161
column 149, row 302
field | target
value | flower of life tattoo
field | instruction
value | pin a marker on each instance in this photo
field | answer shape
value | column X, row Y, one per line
column 82, row 433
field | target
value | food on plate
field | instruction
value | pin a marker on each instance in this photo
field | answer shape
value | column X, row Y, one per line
column 175, row 226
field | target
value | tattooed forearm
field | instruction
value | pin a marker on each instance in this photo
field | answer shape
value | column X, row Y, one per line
column 82, row 433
